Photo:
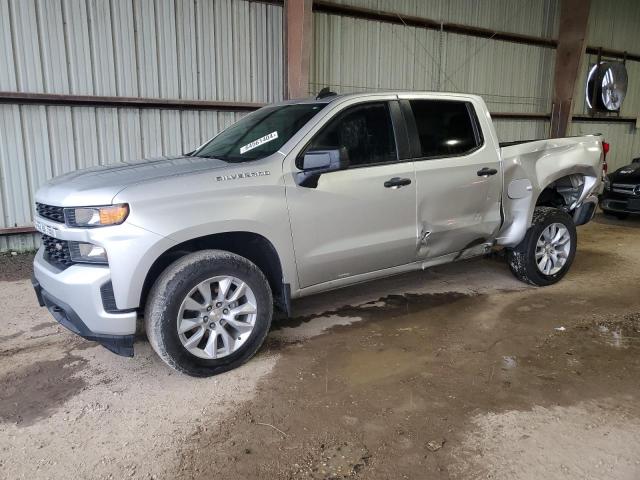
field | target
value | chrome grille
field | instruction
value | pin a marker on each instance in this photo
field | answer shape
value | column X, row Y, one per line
column 625, row 188
column 50, row 212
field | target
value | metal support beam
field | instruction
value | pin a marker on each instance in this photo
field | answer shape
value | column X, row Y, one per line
column 574, row 16
column 322, row 6
column 22, row 98
column 298, row 33
column 331, row 8
column 16, row 230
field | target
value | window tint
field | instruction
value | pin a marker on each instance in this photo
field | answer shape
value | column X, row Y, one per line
column 364, row 130
column 445, row 128
column 261, row 133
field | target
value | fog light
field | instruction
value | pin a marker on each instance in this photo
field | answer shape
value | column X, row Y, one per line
column 87, row 253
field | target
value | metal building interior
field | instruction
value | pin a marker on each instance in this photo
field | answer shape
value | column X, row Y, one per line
column 99, row 82
column 457, row 371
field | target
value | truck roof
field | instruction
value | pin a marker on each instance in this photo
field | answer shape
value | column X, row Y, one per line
column 399, row 93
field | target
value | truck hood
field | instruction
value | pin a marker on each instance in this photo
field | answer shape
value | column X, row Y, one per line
column 626, row 174
column 99, row 185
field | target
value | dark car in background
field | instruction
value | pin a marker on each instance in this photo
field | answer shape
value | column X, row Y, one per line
column 621, row 196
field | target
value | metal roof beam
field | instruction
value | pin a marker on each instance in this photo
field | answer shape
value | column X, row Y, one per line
column 323, row 6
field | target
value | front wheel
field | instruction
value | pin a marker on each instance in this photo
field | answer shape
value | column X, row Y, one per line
column 208, row 312
column 547, row 250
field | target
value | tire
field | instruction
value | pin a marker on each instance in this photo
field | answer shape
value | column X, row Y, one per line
column 182, row 282
column 522, row 259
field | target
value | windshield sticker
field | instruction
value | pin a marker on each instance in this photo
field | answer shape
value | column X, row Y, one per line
column 258, row 142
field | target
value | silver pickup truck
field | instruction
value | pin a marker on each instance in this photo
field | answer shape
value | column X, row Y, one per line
column 299, row 198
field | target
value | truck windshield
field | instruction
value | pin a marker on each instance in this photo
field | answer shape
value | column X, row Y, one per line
column 259, row 134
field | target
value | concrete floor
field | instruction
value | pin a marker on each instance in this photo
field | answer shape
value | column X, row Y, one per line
column 458, row 372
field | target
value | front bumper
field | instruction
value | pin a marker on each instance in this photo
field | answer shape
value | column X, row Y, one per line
column 618, row 204
column 74, row 298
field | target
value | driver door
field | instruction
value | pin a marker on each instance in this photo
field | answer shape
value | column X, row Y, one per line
column 350, row 223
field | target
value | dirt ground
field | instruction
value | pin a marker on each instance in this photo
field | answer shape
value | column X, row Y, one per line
column 459, row 372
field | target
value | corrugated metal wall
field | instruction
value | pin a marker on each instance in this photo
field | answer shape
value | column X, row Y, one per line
column 613, row 25
column 530, row 17
column 232, row 50
column 623, row 138
column 359, row 55
column 228, row 50
column 189, row 49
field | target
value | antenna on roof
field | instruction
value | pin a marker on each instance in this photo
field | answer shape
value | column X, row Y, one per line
column 325, row 92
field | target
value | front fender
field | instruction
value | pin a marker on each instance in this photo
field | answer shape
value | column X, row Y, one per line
column 201, row 205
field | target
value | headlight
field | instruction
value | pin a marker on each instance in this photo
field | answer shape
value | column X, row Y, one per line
column 87, row 253
column 96, row 216
column 607, row 183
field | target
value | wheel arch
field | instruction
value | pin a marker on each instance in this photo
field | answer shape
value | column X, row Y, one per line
column 564, row 190
column 250, row 245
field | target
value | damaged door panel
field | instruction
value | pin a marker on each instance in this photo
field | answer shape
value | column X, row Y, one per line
column 459, row 188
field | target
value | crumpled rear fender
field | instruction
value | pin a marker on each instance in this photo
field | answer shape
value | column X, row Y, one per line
column 531, row 167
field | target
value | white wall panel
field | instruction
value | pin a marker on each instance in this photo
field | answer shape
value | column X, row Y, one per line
column 130, row 138
column 623, row 139
column 78, row 47
column 124, row 43
column 227, row 50
column 14, row 183
column 530, row 17
column 51, row 36
column 101, row 44
column 37, row 152
column 26, row 47
column 8, row 70
column 151, row 133
column 613, row 25
column 62, row 150
column 192, row 49
column 85, row 134
column 352, row 55
column 513, row 130
column 37, row 143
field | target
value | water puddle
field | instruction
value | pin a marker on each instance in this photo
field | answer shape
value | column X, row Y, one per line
column 620, row 334
column 35, row 391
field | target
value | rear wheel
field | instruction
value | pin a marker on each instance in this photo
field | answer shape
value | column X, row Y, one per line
column 546, row 253
column 208, row 312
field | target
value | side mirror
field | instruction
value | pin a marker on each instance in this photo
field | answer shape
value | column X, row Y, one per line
column 316, row 162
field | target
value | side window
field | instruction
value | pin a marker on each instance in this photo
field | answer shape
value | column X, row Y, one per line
column 446, row 127
column 364, row 130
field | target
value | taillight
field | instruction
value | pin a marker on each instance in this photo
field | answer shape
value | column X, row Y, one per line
column 605, row 150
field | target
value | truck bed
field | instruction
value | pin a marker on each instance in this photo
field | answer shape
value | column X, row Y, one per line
column 518, row 142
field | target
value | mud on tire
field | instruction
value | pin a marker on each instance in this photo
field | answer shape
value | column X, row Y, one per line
column 522, row 258
column 173, row 286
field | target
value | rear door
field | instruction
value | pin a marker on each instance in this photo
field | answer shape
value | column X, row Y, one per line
column 458, row 176
column 350, row 223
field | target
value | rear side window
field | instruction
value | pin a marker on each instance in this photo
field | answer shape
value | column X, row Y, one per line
column 445, row 127
column 364, row 130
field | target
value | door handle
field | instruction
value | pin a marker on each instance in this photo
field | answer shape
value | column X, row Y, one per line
column 397, row 182
column 486, row 172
